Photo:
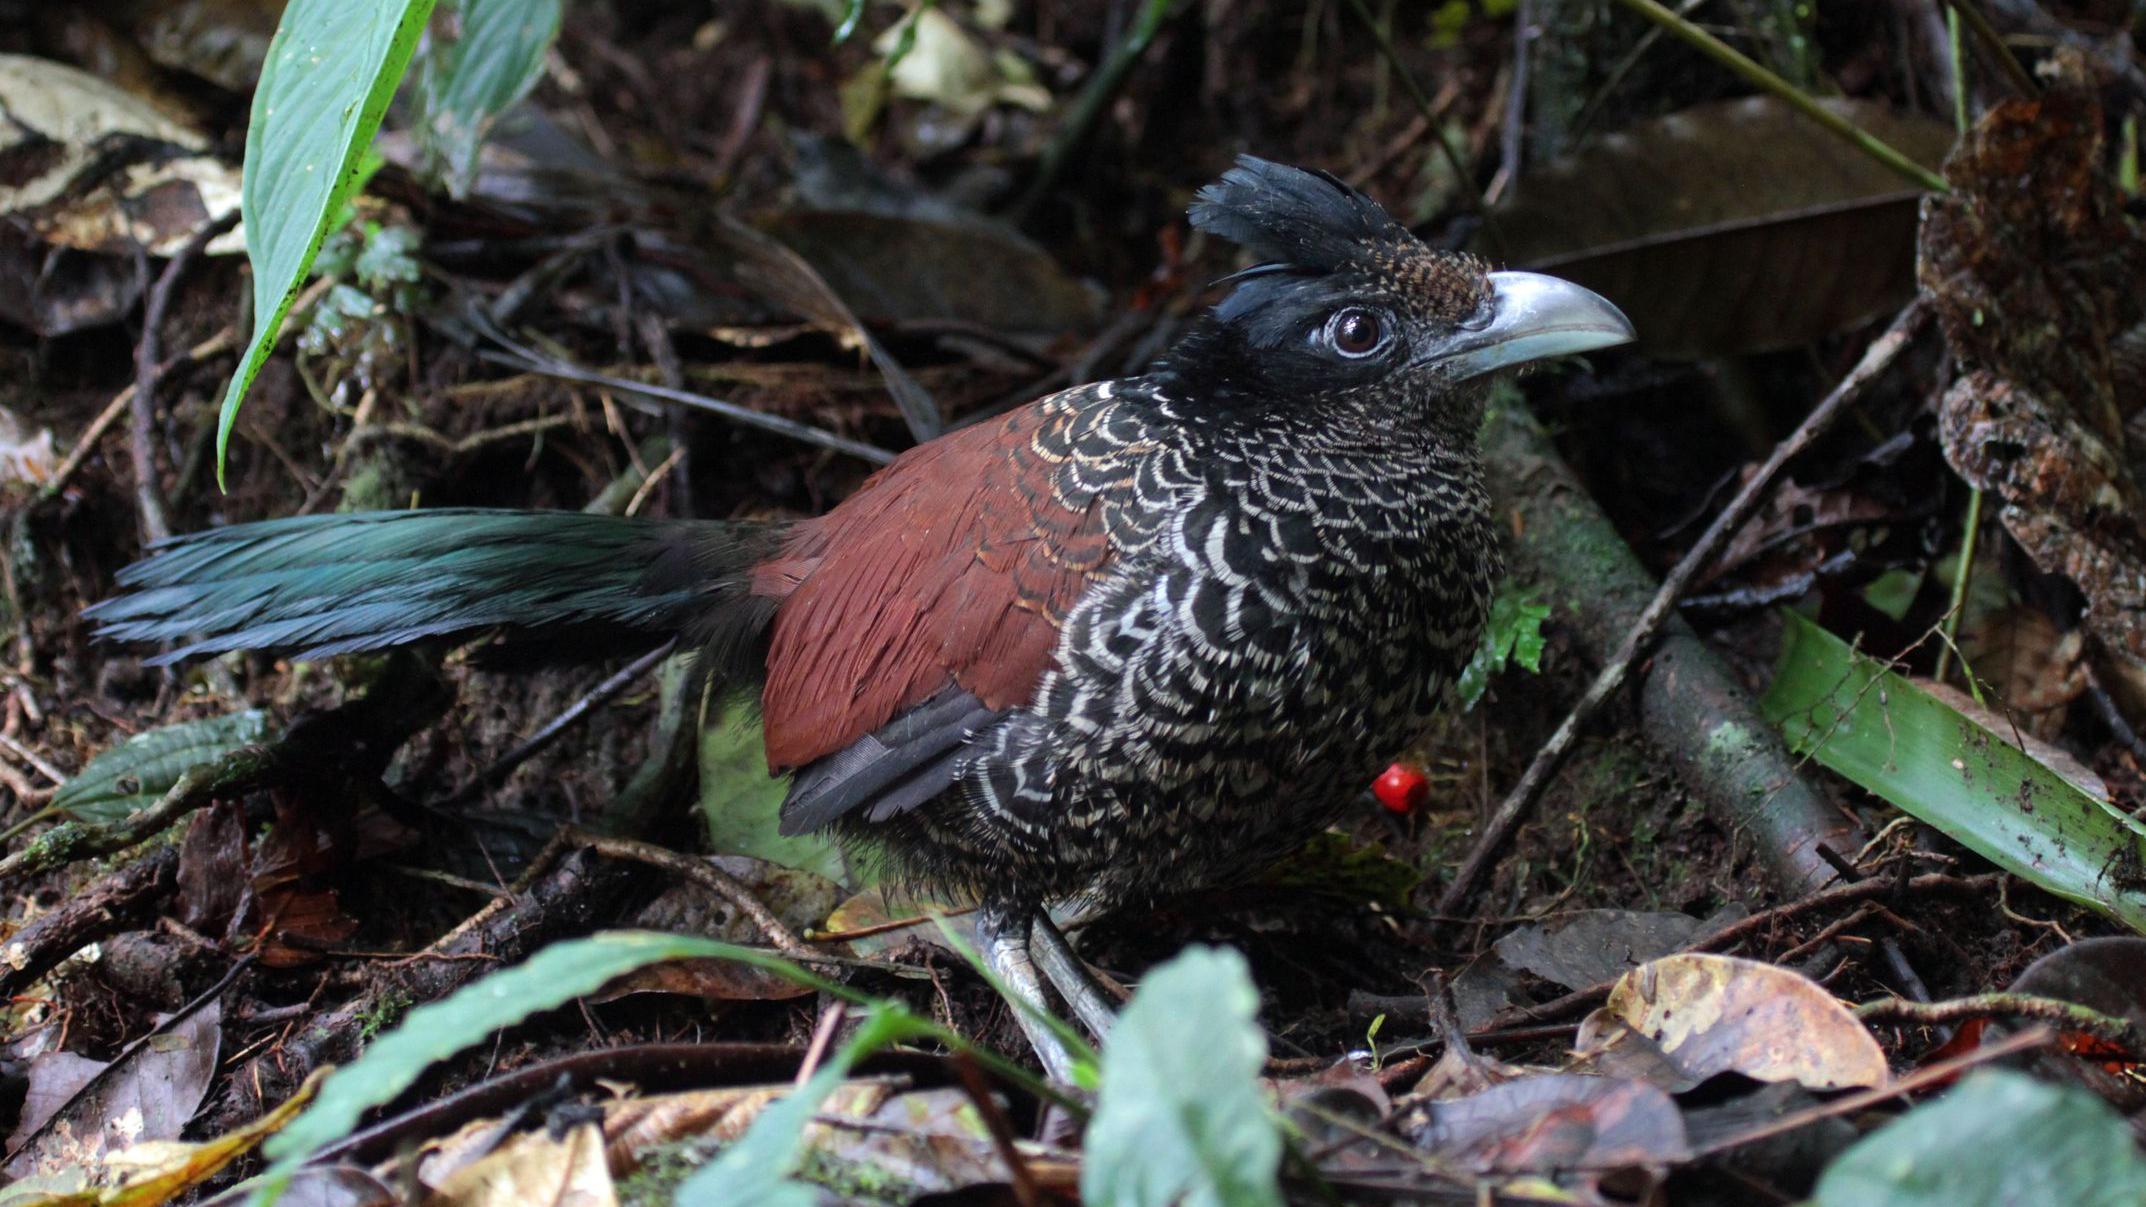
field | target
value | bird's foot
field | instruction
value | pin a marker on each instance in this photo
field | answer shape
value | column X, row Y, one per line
column 1018, row 942
column 1069, row 975
column 1005, row 937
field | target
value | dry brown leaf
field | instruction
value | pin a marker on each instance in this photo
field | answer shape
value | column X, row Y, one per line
column 1709, row 1014
column 148, row 1094
column 2033, row 267
column 533, row 1167
column 1556, row 1122
column 1735, row 226
column 99, row 169
column 2033, row 666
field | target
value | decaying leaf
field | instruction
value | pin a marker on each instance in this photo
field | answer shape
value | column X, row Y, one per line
column 1557, row 1122
column 1593, row 945
column 535, row 1167
column 2033, row 267
column 222, row 41
column 1707, row 1014
column 909, row 268
column 2106, row 974
column 944, row 65
column 25, row 456
column 147, row 1094
column 1735, row 226
column 2034, row 669
column 159, row 1171
column 93, row 167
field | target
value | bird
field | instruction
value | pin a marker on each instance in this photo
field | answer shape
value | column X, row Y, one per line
column 1140, row 636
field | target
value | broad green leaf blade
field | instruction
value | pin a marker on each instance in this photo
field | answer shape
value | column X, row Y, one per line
column 2000, row 1138
column 493, row 64
column 132, row 775
column 1976, row 786
column 331, row 70
column 435, row 1031
column 742, row 804
column 1181, row 1119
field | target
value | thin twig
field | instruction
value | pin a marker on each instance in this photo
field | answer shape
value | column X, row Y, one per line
column 1962, row 575
column 2066, row 1016
column 596, row 696
column 1463, row 176
column 529, row 362
column 35, row 760
column 706, row 875
column 1094, row 101
column 86, row 444
column 1736, row 61
column 1978, row 23
column 654, row 479
column 141, row 431
column 1521, row 799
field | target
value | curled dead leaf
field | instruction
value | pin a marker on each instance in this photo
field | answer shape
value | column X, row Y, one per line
column 1684, row 1018
column 2032, row 265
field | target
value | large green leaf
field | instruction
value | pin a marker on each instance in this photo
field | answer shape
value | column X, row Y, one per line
column 742, row 804
column 493, row 64
column 435, row 1031
column 2001, row 1138
column 557, row 975
column 132, row 775
column 331, row 70
column 1180, row 1119
column 1977, row 786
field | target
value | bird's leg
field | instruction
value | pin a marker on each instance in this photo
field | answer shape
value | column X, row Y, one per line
column 1004, row 935
column 1069, row 975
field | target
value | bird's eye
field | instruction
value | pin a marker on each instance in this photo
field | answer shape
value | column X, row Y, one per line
column 1355, row 333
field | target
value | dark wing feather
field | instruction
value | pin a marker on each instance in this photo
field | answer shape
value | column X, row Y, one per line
column 893, row 769
column 940, row 586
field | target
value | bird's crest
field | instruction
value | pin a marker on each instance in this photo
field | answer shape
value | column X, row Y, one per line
column 1293, row 218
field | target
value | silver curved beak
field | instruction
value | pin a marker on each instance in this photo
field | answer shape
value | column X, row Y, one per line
column 1531, row 317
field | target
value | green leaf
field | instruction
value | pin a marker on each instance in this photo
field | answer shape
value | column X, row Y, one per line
column 1513, row 634
column 435, row 1031
column 1180, row 1119
column 330, row 73
column 132, row 775
column 1977, row 786
column 2000, row 1138
column 742, row 804
column 756, row 1171
column 469, row 83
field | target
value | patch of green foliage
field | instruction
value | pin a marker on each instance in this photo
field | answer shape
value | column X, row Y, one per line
column 1512, row 635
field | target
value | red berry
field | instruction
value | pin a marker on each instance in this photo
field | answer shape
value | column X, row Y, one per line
column 1401, row 788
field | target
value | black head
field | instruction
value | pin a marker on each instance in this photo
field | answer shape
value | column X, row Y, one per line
column 1348, row 304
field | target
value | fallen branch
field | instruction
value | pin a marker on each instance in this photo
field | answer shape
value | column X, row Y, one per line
column 1695, row 710
column 111, row 905
column 241, row 770
column 2065, row 1016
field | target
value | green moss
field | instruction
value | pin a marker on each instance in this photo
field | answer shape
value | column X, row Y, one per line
column 662, row 1169
column 383, row 1013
